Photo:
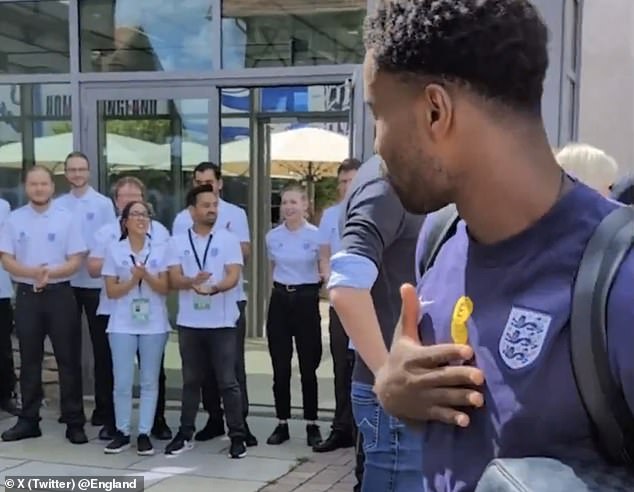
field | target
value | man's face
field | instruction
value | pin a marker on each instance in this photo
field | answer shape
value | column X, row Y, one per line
column 208, row 178
column 343, row 182
column 205, row 211
column 407, row 140
column 39, row 187
column 77, row 172
column 126, row 194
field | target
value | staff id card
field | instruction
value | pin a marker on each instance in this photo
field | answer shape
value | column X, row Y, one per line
column 140, row 310
column 201, row 303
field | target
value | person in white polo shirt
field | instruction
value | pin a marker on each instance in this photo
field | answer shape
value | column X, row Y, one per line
column 136, row 280
column 205, row 265
column 234, row 219
column 127, row 189
column 93, row 211
column 7, row 368
column 41, row 246
column 343, row 431
column 293, row 249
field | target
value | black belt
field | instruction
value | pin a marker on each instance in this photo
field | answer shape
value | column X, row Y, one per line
column 296, row 288
column 47, row 288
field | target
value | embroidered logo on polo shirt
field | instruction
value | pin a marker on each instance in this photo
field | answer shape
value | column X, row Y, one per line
column 51, row 236
column 90, row 215
column 523, row 337
column 213, row 252
column 306, row 245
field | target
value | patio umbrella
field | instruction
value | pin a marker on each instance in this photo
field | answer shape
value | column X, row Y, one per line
column 122, row 152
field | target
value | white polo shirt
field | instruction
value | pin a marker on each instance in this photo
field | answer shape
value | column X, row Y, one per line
column 42, row 238
column 329, row 228
column 6, row 287
column 111, row 233
column 295, row 254
column 219, row 310
column 94, row 211
column 142, row 311
column 230, row 217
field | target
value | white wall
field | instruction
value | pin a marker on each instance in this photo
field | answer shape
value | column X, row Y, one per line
column 606, row 117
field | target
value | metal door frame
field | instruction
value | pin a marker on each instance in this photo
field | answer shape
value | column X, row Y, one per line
column 92, row 94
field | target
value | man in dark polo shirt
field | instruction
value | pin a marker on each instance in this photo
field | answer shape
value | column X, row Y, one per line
column 366, row 274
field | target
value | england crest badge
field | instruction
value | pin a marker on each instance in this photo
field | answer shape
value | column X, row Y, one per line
column 523, row 337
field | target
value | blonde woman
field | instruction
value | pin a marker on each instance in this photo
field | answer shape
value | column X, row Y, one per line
column 590, row 165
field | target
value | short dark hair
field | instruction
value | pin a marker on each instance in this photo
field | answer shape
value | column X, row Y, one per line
column 192, row 195
column 498, row 49
column 76, row 153
column 348, row 165
column 208, row 166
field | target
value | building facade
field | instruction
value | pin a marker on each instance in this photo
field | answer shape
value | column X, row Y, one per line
column 150, row 88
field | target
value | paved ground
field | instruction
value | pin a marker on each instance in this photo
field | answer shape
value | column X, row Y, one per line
column 290, row 467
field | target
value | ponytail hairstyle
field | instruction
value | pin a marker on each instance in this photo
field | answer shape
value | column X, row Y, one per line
column 125, row 215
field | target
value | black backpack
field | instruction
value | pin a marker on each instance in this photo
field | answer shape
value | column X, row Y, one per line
column 602, row 397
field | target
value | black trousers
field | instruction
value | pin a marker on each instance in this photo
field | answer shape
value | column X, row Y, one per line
column 343, row 362
column 294, row 314
column 52, row 312
column 88, row 302
column 211, row 395
column 7, row 368
column 203, row 351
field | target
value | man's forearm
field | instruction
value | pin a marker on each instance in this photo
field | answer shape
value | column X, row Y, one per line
column 358, row 317
column 66, row 269
column 15, row 268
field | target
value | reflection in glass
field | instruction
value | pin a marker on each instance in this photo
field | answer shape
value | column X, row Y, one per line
column 159, row 147
column 34, row 37
column 145, row 35
column 291, row 32
column 34, row 128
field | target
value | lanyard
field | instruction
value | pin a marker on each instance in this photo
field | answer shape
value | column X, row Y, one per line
column 144, row 262
column 201, row 266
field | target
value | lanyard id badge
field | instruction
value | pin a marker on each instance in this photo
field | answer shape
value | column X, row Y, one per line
column 140, row 308
column 201, row 302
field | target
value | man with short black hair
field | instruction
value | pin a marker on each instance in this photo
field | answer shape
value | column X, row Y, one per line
column 343, row 432
column 456, row 87
column 205, row 266
column 234, row 219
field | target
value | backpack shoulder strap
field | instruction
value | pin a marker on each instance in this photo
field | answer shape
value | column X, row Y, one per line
column 446, row 220
column 603, row 399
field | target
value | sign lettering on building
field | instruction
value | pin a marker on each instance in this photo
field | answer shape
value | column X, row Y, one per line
column 59, row 106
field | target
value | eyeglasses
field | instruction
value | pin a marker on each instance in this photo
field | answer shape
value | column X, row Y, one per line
column 139, row 215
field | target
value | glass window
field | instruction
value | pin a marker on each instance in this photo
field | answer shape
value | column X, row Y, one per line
column 291, row 33
column 145, row 35
column 34, row 128
column 34, row 37
column 571, row 29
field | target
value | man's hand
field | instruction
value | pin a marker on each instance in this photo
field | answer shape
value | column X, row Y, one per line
column 201, row 278
column 41, row 277
column 417, row 382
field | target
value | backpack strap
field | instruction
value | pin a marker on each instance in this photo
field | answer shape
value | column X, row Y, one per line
column 445, row 222
column 601, row 395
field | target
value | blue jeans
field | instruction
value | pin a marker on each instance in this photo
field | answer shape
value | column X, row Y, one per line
column 393, row 452
column 124, row 349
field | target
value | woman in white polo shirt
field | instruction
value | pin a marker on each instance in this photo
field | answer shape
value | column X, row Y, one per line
column 135, row 275
column 293, row 249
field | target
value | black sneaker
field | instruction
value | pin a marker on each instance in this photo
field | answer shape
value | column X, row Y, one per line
column 161, row 430
column 179, row 445
column 144, row 445
column 213, row 429
column 250, row 440
column 280, row 435
column 76, row 435
column 120, row 443
column 107, row 433
column 237, row 449
column 21, row 430
column 313, row 435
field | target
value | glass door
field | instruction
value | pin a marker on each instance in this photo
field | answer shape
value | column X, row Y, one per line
column 157, row 135
column 294, row 148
